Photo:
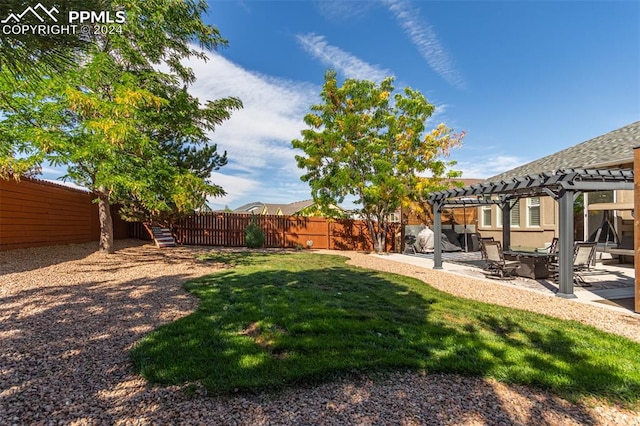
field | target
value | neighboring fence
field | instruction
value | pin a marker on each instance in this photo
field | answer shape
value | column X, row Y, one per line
column 227, row 229
column 38, row 213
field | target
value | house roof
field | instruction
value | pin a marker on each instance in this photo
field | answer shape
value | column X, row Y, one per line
column 613, row 148
column 250, row 208
column 271, row 208
column 469, row 181
column 295, row 207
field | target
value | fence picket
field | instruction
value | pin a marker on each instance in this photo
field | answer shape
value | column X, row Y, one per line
column 227, row 230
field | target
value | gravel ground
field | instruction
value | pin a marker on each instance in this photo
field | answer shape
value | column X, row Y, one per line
column 68, row 317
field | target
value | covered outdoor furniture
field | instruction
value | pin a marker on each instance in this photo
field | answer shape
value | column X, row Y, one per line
column 449, row 241
column 496, row 263
column 470, row 241
column 421, row 239
column 424, row 241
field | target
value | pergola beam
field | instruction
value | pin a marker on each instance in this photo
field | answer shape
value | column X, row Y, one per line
column 533, row 185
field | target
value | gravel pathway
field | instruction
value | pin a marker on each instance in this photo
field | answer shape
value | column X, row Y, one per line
column 68, row 317
column 623, row 323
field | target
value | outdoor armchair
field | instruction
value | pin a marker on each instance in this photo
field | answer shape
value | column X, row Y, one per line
column 496, row 264
column 583, row 255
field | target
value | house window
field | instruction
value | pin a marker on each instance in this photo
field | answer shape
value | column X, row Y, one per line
column 515, row 214
column 486, row 216
column 533, row 211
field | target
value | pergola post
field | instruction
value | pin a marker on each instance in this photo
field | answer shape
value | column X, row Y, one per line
column 437, row 235
column 565, row 245
column 506, row 223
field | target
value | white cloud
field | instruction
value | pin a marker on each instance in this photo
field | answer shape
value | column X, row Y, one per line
column 424, row 37
column 340, row 10
column 484, row 166
column 341, row 61
column 236, row 187
column 258, row 137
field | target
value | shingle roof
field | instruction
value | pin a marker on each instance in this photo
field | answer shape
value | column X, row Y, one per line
column 293, row 208
column 286, row 209
column 246, row 208
column 610, row 148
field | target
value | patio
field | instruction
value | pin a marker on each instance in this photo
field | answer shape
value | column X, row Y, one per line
column 612, row 284
column 563, row 185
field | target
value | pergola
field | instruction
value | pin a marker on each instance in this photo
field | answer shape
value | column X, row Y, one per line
column 562, row 185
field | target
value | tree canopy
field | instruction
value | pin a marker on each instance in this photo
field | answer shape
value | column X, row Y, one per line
column 367, row 142
column 126, row 130
column 31, row 54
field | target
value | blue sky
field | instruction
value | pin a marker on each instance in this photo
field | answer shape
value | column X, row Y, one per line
column 523, row 78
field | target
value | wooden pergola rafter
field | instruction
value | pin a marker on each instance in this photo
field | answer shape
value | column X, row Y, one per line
column 562, row 185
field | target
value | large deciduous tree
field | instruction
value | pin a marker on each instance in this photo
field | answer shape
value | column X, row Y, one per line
column 127, row 131
column 30, row 53
column 367, row 142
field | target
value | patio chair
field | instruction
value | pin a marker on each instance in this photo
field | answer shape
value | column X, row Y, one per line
column 583, row 255
column 553, row 247
column 496, row 264
column 483, row 250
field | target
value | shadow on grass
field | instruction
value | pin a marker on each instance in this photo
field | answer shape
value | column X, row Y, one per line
column 234, row 258
column 280, row 320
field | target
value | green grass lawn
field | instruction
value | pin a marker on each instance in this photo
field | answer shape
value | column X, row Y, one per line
column 276, row 320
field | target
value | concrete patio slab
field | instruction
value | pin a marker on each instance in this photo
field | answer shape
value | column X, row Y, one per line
column 608, row 280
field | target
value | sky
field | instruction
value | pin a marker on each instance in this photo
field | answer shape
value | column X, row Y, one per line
column 523, row 79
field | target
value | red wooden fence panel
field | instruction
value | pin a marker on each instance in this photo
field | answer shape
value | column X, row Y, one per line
column 228, row 229
column 38, row 213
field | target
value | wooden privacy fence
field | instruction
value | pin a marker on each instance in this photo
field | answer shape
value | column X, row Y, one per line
column 37, row 213
column 228, row 229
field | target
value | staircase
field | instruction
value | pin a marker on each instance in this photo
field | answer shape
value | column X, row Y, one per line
column 163, row 237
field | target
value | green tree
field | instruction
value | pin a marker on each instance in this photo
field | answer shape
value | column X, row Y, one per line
column 180, row 127
column 254, row 235
column 368, row 143
column 25, row 53
column 127, row 131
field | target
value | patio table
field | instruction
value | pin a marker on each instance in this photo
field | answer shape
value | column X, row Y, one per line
column 533, row 263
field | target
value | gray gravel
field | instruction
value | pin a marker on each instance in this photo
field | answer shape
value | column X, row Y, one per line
column 68, row 317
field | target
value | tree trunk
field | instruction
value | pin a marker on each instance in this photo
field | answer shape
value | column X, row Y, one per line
column 380, row 242
column 379, row 236
column 106, row 223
